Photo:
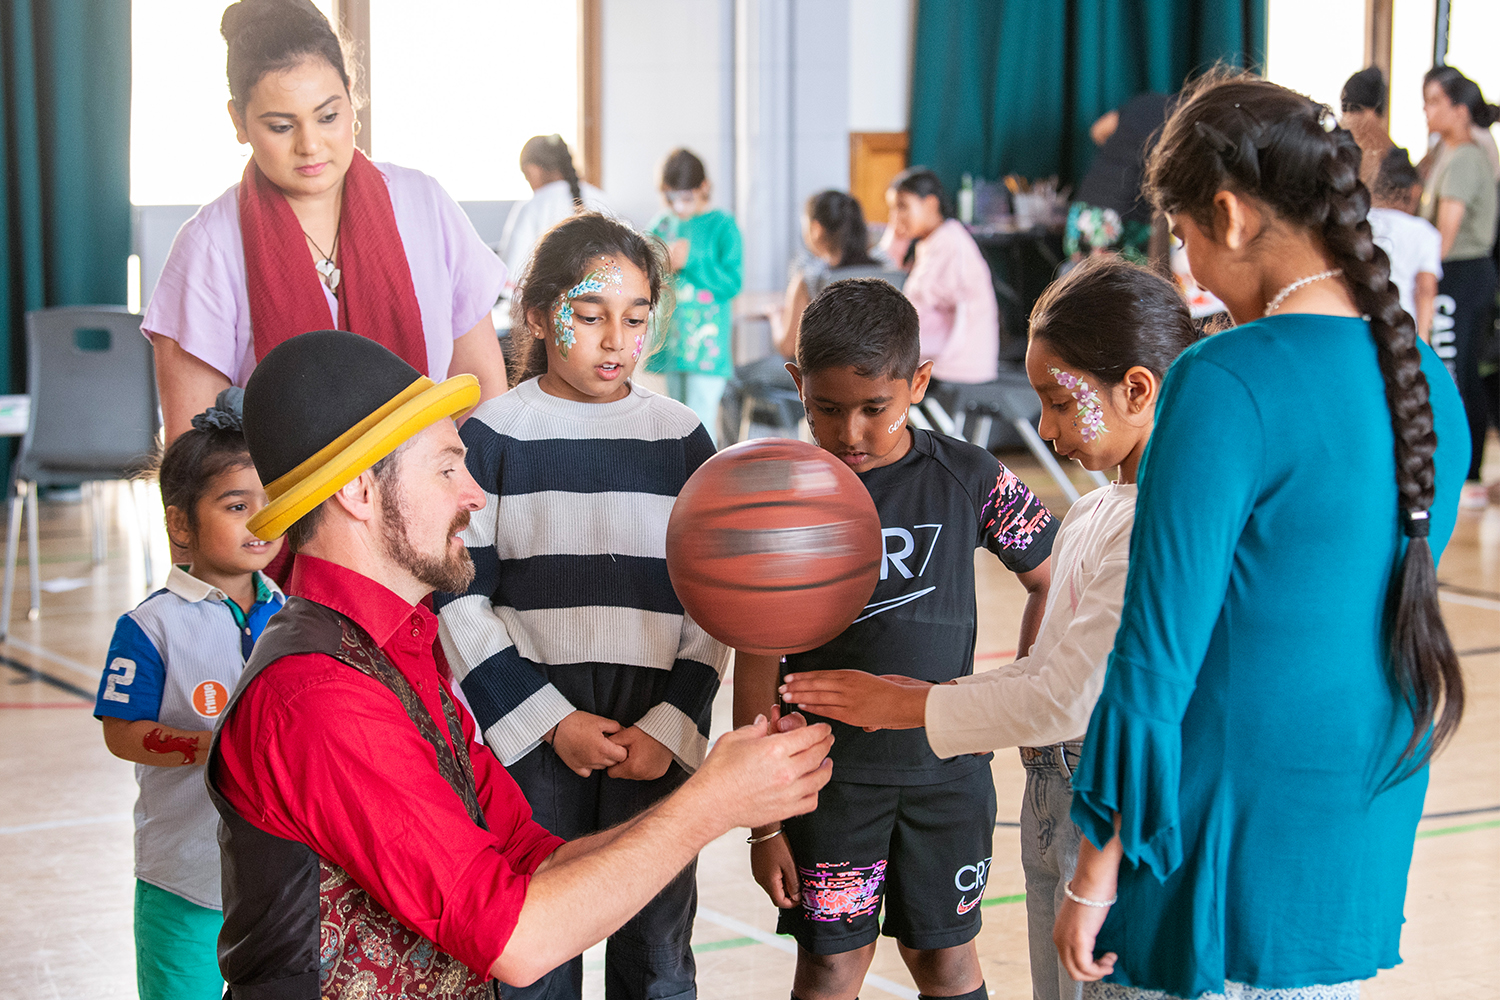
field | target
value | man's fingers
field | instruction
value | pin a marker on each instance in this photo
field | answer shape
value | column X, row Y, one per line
column 801, row 739
column 790, row 721
column 609, row 726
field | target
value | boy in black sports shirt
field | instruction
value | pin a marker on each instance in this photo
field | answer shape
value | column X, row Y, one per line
column 896, row 825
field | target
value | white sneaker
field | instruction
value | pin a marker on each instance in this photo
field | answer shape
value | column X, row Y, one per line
column 1473, row 497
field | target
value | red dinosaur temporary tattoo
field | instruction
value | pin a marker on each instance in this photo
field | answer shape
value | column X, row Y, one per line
column 158, row 742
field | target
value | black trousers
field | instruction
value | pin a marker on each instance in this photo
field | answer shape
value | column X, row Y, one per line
column 651, row 957
column 1462, row 327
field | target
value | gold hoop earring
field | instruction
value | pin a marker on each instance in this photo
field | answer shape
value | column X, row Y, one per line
column 358, row 126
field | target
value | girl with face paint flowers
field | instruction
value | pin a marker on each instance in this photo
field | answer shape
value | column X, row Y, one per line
column 589, row 682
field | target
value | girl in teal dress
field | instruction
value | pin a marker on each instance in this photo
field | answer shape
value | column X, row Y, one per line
column 1255, row 766
column 707, row 255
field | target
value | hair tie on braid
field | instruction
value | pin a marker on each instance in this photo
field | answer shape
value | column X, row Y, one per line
column 1417, row 523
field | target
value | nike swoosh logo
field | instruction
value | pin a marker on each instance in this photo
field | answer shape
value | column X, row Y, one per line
column 965, row 906
column 894, row 602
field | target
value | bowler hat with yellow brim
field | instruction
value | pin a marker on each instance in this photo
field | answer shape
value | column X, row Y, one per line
column 323, row 407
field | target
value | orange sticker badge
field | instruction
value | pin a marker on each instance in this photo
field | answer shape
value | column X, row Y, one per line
column 209, row 698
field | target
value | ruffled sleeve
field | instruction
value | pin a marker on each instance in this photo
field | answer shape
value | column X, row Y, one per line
column 1195, row 497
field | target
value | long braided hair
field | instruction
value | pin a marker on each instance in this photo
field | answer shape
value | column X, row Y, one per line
column 1234, row 131
column 551, row 153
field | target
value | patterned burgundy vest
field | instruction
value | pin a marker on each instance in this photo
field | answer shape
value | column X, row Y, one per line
column 296, row 926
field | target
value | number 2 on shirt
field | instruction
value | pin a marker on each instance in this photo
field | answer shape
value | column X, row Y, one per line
column 124, row 677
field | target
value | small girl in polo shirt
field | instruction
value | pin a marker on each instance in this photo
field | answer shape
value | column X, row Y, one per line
column 172, row 664
column 589, row 682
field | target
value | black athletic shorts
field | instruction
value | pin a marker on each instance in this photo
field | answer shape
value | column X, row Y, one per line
column 922, row 850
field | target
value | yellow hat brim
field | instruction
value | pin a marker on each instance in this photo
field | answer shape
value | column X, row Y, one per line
column 419, row 406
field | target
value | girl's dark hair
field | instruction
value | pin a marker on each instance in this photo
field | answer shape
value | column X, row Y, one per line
column 923, row 183
column 682, row 171
column 1233, row 131
column 214, row 445
column 844, row 222
column 1107, row 315
column 551, row 153
column 267, row 36
column 560, row 261
column 1461, row 90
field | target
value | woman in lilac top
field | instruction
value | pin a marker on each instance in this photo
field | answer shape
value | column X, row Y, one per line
column 949, row 284
column 291, row 104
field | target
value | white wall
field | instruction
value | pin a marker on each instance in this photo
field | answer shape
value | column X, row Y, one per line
column 667, row 82
column 880, row 41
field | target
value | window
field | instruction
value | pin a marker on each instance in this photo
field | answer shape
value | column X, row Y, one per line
column 456, row 88
column 182, row 145
column 1313, row 48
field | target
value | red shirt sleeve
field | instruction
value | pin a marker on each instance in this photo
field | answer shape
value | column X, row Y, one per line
column 320, row 754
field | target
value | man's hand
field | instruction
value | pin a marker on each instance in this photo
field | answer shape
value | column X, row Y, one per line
column 772, row 865
column 891, row 701
column 583, row 742
column 647, row 760
column 755, row 776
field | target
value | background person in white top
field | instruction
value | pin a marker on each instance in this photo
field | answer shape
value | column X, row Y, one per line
column 1098, row 383
column 1414, row 245
column 556, row 193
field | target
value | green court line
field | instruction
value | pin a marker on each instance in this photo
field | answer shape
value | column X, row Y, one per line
column 1466, row 828
column 738, row 942
column 1001, row 900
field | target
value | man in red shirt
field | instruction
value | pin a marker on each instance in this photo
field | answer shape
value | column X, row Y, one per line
column 369, row 847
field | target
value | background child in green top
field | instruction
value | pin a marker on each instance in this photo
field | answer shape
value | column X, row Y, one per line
column 697, row 355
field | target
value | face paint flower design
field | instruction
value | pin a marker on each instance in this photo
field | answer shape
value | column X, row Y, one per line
column 1090, row 410
column 607, row 275
column 640, row 345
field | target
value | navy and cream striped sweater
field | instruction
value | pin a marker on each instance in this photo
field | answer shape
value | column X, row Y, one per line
column 570, row 564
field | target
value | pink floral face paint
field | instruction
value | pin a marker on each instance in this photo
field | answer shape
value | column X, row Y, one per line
column 1090, row 410
column 607, row 275
column 640, row 345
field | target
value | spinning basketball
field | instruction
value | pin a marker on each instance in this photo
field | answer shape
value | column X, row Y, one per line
column 774, row 546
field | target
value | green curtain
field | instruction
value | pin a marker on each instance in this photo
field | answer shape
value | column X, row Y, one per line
column 65, row 148
column 1012, row 86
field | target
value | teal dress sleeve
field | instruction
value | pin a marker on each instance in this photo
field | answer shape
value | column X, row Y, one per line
column 716, row 260
column 1198, row 483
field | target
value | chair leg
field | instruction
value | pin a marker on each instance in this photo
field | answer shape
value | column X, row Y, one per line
column 33, row 555
column 747, row 410
column 139, row 508
column 97, row 515
column 939, row 416
column 983, row 424
column 12, row 542
column 1044, row 455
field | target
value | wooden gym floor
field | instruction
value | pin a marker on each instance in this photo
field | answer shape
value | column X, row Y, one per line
column 65, row 803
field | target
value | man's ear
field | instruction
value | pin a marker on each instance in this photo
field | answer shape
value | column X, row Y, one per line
column 796, row 374
column 357, row 497
column 920, row 381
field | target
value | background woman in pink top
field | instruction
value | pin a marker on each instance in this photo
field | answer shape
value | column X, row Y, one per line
column 949, row 283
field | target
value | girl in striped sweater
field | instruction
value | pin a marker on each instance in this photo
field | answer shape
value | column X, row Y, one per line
column 588, row 680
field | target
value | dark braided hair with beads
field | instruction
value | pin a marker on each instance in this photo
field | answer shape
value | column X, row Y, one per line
column 1234, row 131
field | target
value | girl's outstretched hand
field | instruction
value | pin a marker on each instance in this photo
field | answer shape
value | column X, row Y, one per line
column 772, row 865
column 891, row 701
column 1074, row 933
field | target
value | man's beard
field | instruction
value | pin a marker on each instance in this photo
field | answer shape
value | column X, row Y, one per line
column 451, row 574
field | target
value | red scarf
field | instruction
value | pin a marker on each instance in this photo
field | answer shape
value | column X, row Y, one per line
column 375, row 293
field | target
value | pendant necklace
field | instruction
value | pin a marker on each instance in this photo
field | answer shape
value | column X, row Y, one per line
column 325, row 267
column 1280, row 297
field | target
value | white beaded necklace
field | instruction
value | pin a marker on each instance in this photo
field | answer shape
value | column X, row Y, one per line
column 1280, row 296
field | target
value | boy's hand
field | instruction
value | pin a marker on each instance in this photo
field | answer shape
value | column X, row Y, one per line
column 647, row 760
column 772, row 865
column 892, row 701
column 583, row 742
